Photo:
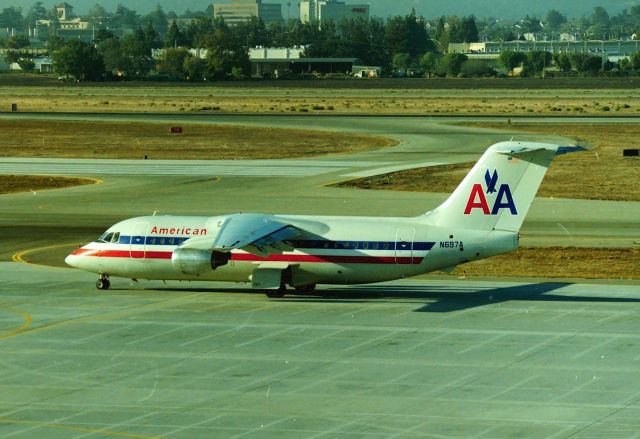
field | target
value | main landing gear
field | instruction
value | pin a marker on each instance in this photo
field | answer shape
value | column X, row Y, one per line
column 280, row 292
column 103, row 283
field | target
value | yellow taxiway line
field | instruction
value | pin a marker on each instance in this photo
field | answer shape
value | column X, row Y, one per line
column 77, row 428
column 27, row 321
column 19, row 256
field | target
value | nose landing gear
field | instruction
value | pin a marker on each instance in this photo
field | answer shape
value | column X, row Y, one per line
column 103, row 283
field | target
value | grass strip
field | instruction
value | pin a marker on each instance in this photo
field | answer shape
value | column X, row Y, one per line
column 23, row 183
column 599, row 174
column 133, row 140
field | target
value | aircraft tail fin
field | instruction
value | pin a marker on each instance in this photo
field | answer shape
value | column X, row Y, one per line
column 499, row 189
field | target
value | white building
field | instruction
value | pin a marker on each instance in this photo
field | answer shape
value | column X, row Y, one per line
column 276, row 53
column 331, row 10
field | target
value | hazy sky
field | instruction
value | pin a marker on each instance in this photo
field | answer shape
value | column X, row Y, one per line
column 428, row 8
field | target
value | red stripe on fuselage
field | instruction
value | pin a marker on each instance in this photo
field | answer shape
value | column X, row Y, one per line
column 248, row 257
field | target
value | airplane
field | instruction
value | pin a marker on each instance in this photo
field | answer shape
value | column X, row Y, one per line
column 481, row 218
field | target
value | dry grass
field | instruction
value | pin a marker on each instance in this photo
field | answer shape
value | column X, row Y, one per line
column 601, row 173
column 124, row 140
column 292, row 100
column 559, row 262
column 21, row 183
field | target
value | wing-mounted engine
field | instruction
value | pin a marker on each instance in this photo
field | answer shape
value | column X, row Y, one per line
column 197, row 261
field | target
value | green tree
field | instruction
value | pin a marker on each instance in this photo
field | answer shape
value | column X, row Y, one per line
column 18, row 42
column 625, row 65
column 585, row 63
column 511, row 59
column 135, row 54
column 452, row 63
column 151, row 37
column 26, row 64
column 79, row 60
column 401, row 61
column 538, row 60
column 635, row 61
column 98, row 15
column 195, row 68
column 36, row 12
column 223, row 54
column 563, row 61
column 428, row 63
column 475, row 68
column 407, row 34
column 111, row 53
column 103, row 34
column 124, row 18
column 555, row 19
column 158, row 20
column 12, row 56
column 11, row 17
column 469, row 29
column 173, row 37
column 173, row 62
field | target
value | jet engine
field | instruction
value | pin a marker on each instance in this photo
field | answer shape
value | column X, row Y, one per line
column 195, row 261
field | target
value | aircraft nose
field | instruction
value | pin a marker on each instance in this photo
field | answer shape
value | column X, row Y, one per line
column 71, row 260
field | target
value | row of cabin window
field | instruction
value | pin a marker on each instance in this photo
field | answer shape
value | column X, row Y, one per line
column 353, row 245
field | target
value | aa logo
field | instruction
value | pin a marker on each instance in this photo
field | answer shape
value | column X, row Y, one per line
column 478, row 199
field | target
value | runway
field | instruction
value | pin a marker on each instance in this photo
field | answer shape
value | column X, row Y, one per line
column 424, row 357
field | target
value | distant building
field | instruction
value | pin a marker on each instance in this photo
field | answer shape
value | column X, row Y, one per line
column 279, row 62
column 276, row 53
column 331, row 10
column 613, row 50
column 64, row 11
column 242, row 10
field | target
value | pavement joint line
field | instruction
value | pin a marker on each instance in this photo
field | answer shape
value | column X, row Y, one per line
column 264, row 427
column 120, row 424
column 332, row 378
column 374, row 341
column 315, row 339
column 425, row 342
column 264, row 337
column 196, row 340
column 152, row 336
column 579, row 388
column 481, row 344
column 541, row 344
column 515, row 386
column 594, row 347
column 195, row 424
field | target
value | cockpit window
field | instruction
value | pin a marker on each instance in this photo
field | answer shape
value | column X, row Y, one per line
column 106, row 237
column 116, row 237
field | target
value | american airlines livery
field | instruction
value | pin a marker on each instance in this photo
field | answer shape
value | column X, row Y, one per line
column 480, row 219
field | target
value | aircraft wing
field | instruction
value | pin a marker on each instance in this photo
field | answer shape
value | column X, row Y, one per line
column 258, row 234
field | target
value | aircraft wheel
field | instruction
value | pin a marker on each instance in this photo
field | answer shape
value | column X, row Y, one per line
column 275, row 294
column 305, row 289
column 103, row 284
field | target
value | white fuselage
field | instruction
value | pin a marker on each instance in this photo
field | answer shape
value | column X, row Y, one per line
column 335, row 250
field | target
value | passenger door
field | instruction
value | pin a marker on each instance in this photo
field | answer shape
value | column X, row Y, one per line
column 138, row 245
column 404, row 245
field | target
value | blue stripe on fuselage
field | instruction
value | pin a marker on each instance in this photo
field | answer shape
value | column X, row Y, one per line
column 302, row 244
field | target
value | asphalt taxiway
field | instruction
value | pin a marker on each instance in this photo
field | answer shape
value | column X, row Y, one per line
column 413, row 358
